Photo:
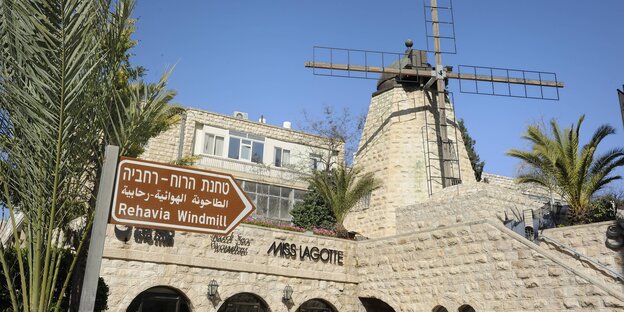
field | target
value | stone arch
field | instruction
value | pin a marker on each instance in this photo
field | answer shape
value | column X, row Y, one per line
column 466, row 308
column 327, row 297
column 247, row 301
column 160, row 298
column 439, row 308
column 372, row 304
column 129, row 293
column 316, row 305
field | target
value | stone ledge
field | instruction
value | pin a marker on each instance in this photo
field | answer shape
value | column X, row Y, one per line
column 581, row 226
column 160, row 258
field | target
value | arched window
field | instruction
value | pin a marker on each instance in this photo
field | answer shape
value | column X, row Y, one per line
column 316, row 305
column 439, row 308
column 466, row 308
column 160, row 299
column 244, row 302
column 375, row 305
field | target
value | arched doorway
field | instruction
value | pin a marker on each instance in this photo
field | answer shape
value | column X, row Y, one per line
column 160, row 299
column 439, row 308
column 244, row 302
column 316, row 305
column 466, row 308
column 375, row 305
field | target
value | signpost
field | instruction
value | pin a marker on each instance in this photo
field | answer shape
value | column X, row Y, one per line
column 155, row 195
column 161, row 196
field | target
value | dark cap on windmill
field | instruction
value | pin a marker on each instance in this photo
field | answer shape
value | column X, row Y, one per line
column 412, row 59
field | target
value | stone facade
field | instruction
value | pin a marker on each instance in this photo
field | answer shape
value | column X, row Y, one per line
column 479, row 263
column 398, row 145
column 463, row 203
column 428, row 248
column 533, row 191
column 587, row 240
column 138, row 259
column 165, row 147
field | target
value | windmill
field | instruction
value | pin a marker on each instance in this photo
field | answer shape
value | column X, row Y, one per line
column 412, row 97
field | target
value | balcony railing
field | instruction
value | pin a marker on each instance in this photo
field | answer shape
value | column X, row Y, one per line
column 261, row 170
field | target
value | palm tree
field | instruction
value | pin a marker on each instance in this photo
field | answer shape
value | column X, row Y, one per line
column 556, row 162
column 342, row 188
column 66, row 90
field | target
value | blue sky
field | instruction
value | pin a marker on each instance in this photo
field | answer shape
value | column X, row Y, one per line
column 248, row 56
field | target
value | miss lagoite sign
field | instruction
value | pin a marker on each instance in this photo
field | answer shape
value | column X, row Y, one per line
column 306, row 253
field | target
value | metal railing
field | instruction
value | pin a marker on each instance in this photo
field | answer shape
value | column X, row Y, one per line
column 581, row 257
column 263, row 170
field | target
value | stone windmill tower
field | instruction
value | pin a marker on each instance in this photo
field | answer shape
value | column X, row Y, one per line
column 399, row 143
column 411, row 141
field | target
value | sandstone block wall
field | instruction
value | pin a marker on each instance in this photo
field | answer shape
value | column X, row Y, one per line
column 482, row 264
column 195, row 116
column 127, row 279
column 588, row 240
column 164, row 148
column 395, row 146
column 464, row 203
column 533, row 191
column 188, row 262
column 479, row 262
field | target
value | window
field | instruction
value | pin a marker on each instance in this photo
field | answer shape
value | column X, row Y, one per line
column 257, row 152
column 234, row 149
column 363, row 203
column 282, row 157
column 213, row 144
column 245, row 149
column 315, row 162
column 272, row 201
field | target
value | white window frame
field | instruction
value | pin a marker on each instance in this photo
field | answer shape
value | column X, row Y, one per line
column 283, row 161
column 242, row 144
column 214, row 145
column 316, row 162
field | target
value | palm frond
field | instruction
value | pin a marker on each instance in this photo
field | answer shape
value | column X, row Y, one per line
column 343, row 187
column 555, row 160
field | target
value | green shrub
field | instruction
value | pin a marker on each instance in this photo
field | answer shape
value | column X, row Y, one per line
column 313, row 212
column 101, row 297
column 604, row 208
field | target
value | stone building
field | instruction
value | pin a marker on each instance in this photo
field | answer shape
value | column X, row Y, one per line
column 429, row 248
column 269, row 162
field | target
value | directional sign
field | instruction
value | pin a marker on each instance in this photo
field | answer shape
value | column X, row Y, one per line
column 155, row 195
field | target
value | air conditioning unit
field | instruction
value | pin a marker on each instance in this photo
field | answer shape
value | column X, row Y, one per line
column 240, row 115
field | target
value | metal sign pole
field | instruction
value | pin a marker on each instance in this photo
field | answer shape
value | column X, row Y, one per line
column 98, row 230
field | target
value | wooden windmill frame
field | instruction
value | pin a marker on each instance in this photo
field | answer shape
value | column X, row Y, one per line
column 433, row 79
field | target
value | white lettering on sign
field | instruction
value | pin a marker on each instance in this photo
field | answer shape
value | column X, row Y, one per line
column 175, row 198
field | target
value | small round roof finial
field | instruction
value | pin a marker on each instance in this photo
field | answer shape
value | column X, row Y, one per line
column 409, row 43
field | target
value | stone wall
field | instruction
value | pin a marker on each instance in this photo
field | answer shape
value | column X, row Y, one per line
column 474, row 261
column 164, row 148
column 195, row 116
column 588, row 240
column 464, row 203
column 533, row 191
column 395, row 147
column 447, row 249
column 137, row 260
column 480, row 263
